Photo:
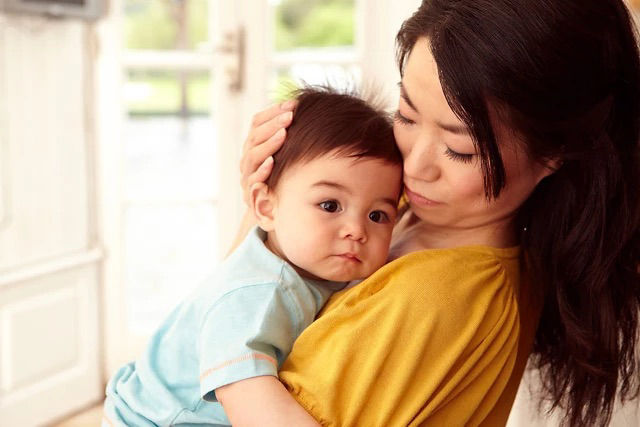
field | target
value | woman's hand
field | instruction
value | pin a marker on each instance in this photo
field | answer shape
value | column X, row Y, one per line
column 268, row 131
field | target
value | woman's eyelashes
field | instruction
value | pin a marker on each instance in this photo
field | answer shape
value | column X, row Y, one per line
column 402, row 119
column 458, row 157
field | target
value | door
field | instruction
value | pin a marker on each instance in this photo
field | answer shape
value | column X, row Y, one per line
column 49, row 257
column 170, row 190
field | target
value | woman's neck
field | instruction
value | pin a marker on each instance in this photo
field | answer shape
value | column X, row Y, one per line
column 412, row 234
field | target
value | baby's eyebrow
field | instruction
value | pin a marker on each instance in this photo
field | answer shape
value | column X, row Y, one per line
column 389, row 201
column 332, row 184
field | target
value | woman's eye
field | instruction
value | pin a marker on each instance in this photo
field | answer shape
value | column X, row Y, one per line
column 378, row 216
column 402, row 119
column 329, row 205
column 458, row 157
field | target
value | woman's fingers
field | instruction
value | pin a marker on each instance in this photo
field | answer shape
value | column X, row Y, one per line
column 267, row 122
column 257, row 155
column 268, row 131
column 262, row 133
column 271, row 112
column 260, row 175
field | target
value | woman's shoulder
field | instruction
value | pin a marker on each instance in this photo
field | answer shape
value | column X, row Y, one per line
column 450, row 263
column 437, row 277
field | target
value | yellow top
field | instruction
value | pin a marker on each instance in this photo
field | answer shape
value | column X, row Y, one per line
column 437, row 337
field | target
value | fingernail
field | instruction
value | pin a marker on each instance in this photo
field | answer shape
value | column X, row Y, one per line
column 288, row 105
column 285, row 118
column 267, row 162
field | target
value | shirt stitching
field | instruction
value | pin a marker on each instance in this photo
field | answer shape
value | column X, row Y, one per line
column 293, row 306
column 250, row 356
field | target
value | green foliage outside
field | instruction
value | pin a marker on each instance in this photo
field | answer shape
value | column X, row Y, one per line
column 282, row 87
column 164, row 94
column 155, row 24
column 314, row 23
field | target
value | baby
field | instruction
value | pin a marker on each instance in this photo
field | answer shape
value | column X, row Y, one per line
column 325, row 217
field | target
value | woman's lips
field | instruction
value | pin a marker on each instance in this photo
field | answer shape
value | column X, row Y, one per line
column 416, row 198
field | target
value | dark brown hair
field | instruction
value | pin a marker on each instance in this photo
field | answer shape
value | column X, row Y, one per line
column 566, row 76
column 326, row 121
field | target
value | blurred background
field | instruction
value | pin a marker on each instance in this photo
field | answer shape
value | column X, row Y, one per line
column 121, row 128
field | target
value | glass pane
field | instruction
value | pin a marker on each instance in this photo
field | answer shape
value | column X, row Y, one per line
column 169, row 159
column 284, row 80
column 169, row 251
column 313, row 23
column 165, row 24
column 152, row 93
column 170, row 217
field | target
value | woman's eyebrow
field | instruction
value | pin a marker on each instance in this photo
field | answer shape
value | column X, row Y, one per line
column 456, row 129
column 405, row 96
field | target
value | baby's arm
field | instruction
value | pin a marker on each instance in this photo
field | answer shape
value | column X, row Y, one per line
column 242, row 339
column 262, row 401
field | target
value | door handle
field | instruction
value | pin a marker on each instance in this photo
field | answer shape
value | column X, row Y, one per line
column 233, row 46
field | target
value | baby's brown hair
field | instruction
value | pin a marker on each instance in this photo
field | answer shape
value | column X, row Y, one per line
column 327, row 121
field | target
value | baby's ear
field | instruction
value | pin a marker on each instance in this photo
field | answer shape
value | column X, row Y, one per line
column 262, row 203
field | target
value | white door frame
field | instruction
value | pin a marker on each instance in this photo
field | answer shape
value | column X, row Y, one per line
column 228, row 106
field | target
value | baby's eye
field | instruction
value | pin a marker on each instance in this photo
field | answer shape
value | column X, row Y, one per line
column 329, row 205
column 378, row 216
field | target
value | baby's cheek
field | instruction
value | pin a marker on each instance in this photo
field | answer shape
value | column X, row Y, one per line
column 301, row 251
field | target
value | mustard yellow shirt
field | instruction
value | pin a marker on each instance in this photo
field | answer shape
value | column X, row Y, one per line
column 437, row 337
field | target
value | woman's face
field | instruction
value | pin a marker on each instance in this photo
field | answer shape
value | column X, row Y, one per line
column 442, row 171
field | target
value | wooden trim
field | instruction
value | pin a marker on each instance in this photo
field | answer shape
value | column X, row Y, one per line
column 320, row 56
column 167, row 60
column 29, row 272
column 5, row 217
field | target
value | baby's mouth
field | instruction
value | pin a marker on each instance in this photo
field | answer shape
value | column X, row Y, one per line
column 350, row 257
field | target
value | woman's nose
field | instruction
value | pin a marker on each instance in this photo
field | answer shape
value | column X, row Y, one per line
column 421, row 163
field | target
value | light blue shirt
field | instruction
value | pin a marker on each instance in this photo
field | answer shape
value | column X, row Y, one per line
column 237, row 325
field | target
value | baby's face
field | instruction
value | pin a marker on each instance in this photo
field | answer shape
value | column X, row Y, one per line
column 333, row 216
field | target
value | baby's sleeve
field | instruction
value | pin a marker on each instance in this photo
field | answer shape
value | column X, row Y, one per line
column 247, row 333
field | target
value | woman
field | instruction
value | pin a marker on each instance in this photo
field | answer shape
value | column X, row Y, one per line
column 519, row 126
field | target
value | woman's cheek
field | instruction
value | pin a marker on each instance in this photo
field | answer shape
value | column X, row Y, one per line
column 402, row 140
column 467, row 185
